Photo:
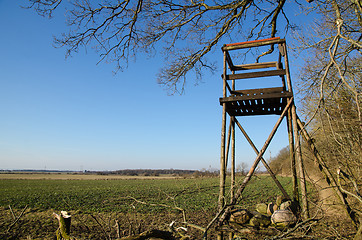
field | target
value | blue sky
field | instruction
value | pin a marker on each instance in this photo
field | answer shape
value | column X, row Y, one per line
column 72, row 114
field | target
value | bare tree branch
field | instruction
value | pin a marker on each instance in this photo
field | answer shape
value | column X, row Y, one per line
column 183, row 31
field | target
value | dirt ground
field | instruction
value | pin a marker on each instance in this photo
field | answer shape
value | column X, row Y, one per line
column 327, row 198
column 37, row 224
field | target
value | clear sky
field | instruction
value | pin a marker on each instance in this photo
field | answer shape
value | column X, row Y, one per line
column 72, row 114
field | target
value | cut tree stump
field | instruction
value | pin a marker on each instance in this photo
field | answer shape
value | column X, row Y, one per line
column 63, row 231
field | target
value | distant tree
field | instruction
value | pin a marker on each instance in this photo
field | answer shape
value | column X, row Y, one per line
column 241, row 168
column 280, row 164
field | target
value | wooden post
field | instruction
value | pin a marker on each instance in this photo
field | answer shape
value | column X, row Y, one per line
column 292, row 157
column 298, row 156
column 221, row 201
column 232, row 181
column 297, row 146
column 232, row 176
column 283, row 51
column 232, row 122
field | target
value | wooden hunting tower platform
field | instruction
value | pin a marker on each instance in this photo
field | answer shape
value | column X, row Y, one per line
column 267, row 100
column 277, row 99
column 260, row 101
column 274, row 100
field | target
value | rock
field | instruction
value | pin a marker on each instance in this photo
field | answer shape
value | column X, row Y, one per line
column 271, row 208
column 259, row 220
column 279, row 201
column 286, row 205
column 240, row 216
column 275, row 207
column 283, row 218
column 262, row 208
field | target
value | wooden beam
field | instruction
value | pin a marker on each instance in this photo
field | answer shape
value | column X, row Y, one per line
column 229, row 61
column 253, row 97
column 260, row 90
column 255, row 66
column 250, row 44
column 286, row 64
column 252, row 112
column 260, row 74
column 229, row 88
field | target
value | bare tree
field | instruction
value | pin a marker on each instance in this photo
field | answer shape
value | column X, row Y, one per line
column 331, row 87
column 331, row 82
column 184, row 31
column 334, row 52
column 241, row 168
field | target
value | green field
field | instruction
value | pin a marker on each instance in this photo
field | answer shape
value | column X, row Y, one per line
column 117, row 199
column 115, row 195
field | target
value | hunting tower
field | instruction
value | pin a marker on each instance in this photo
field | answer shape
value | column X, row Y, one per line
column 238, row 103
column 267, row 100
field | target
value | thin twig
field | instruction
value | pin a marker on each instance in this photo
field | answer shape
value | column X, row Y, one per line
column 156, row 205
column 357, row 196
column 12, row 213
column 118, row 229
column 104, row 231
column 293, row 229
column 17, row 219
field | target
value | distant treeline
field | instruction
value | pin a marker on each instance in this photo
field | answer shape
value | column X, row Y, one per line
column 125, row 172
column 146, row 172
column 35, row 171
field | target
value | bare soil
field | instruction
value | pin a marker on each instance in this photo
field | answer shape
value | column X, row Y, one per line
column 36, row 224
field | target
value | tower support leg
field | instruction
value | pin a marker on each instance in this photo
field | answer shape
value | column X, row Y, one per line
column 298, row 156
column 292, row 157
